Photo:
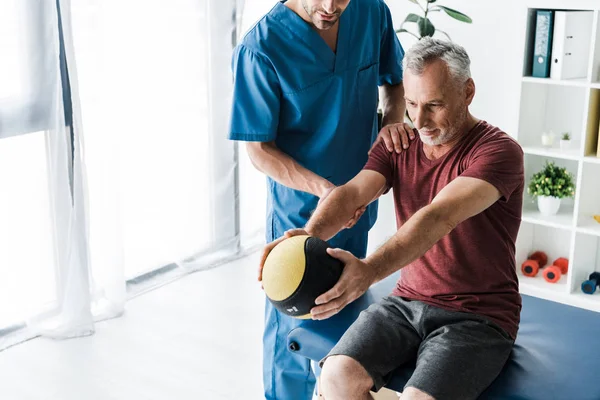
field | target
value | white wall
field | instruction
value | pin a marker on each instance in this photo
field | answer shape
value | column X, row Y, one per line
column 495, row 43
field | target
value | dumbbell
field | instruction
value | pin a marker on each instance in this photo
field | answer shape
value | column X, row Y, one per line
column 559, row 267
column 534, row 262
column 589, row 286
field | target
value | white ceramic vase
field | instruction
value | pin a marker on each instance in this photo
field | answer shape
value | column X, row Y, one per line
column 548, row 205
column 565, row 144
column 547, row 139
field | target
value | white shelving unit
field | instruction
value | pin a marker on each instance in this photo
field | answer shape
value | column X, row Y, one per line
column 571, row 105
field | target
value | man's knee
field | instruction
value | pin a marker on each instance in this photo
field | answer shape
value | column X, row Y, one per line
column 343, row 377
column 411, row 393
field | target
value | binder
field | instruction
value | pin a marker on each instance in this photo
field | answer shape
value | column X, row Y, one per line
column 542, row 43
column 571, row 44
column 598, row 148
column 592, row 145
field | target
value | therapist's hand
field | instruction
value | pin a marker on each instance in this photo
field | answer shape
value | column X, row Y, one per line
column 355, row 280
column 270, row 246
column 395, row 136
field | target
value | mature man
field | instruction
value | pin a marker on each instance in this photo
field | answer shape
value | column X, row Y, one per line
column 305, row 98
column 458, row 195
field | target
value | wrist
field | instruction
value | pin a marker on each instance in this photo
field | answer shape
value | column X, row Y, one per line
column 373, row 270
column 392, row 118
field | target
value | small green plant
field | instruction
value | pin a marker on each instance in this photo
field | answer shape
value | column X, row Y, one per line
column 424, row 25
column 552, row 181
column 566, row 136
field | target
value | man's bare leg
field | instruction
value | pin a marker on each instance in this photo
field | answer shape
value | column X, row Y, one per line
column 343, row 378
column 411, row 393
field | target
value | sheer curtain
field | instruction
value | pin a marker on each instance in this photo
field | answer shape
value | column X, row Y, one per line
column 140, row 188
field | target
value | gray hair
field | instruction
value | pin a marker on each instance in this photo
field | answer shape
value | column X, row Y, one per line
column 429, row 49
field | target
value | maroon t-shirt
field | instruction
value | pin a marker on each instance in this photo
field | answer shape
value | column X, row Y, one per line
column 472, row 269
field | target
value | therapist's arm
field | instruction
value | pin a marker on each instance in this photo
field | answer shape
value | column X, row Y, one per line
column 392, row 103
column 270, row 160
column 333, row 213
column 394, row 132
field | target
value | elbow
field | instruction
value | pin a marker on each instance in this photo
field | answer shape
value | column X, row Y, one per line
column 442, row 217
column 257, row 151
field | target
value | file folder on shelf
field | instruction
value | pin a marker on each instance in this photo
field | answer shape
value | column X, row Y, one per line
column 542, row 44
column 571, row 44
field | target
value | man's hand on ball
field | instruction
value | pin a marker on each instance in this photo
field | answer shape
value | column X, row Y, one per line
column 270, row 246
column 355, row 280
column 395, row 136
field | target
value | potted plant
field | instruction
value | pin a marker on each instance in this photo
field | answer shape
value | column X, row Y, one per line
column 550, row 185
column 565, row 141
column 424, row 25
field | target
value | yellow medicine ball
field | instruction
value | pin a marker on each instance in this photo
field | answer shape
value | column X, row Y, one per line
column 296, row 272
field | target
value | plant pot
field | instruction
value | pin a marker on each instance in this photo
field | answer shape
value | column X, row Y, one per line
column 548, row 205
column 565, row 144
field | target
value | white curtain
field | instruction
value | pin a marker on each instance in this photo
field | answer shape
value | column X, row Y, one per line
column 149, row 193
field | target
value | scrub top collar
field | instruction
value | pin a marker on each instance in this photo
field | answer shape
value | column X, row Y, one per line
column 306, row 33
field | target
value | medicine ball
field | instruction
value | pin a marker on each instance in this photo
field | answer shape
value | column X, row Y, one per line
column 296, row 272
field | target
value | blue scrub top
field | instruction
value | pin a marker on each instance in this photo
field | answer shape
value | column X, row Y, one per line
column 318, row 106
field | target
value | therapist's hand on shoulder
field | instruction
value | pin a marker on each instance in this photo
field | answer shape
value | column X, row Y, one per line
column 396, row 137
column 270, row 246
column 354, row 281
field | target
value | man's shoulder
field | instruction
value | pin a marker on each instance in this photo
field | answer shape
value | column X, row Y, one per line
column 490, row 136
column 260, row 37
column 374, row 9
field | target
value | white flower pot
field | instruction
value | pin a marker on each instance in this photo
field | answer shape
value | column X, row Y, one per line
column 565, row 144
column 548, row 205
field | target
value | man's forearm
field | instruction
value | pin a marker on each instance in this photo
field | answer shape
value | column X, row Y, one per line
column 333, row 213
column 392, row 103
column 268, row 159
column 411, row 241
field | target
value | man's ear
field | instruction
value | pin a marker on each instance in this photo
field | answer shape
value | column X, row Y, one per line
column 469, row 90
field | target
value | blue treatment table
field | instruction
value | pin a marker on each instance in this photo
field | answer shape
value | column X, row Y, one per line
column 556, row 355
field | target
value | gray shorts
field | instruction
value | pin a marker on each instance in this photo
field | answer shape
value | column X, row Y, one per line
column 457, row 354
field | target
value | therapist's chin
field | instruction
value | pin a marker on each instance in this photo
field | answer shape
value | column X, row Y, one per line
column 324, row 24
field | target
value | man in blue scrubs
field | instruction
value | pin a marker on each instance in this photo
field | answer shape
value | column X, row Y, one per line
column 305, row 99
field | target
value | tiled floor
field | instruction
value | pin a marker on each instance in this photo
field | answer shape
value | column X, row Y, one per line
column 196, row 338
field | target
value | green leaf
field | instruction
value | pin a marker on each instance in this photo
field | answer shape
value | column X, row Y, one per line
column 402, row 30
column 412, row 18
column 456, row 14
column 430, row 1
column 426, row 28
column 552, row 181
column 414, row 1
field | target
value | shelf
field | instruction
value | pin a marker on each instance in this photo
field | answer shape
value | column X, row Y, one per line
column 537, row 286
column 588, row 301
column 595, row 85
column 588, row 225
column 553, row 152
column 562, row 220
column 583, row 82
column 592, row 159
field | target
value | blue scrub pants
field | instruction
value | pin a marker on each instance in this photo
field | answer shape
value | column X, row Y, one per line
column 288, row 376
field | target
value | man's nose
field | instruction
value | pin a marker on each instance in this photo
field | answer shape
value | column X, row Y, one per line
column 329, row 6
column 418, row 118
